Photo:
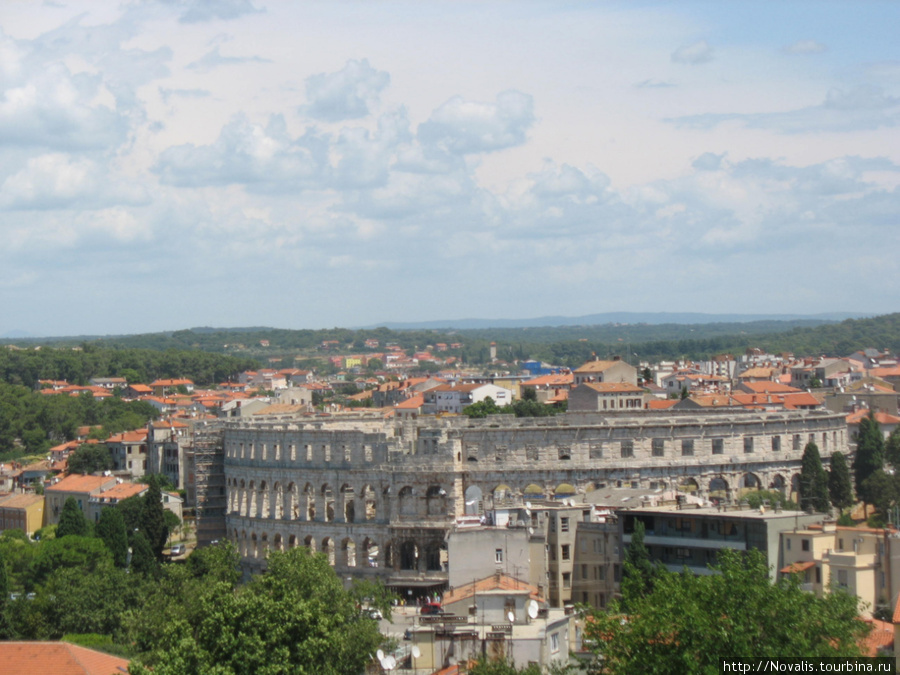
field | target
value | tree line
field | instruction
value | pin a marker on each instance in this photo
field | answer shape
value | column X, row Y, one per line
column 31, row 422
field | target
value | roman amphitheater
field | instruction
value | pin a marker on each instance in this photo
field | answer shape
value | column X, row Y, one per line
column 378, row 495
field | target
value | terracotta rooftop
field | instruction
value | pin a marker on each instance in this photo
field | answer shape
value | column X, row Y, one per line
column 79, row 483
column 121, row 491
column 57, row 658
column 495, row 582
column 596, row 366
column 20, row 501
column 615, row 387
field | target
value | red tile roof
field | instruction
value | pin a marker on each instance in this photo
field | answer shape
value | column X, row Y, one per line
column 79, row 483
column 57, row 658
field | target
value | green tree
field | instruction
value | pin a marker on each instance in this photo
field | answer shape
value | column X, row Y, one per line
column 143, row 558
column 219, row 562
column 153, row 519
column 295, row 618
column 4, row 599
column 111, row 529
column 85, row 554
column 638, row 571
column 869, row 452
column 71, row 520
column 882, row 491
column 482, row 409
column 813, row 481
column 688, row 623
column 892, row 449
column 840, row 486
column 90, row 458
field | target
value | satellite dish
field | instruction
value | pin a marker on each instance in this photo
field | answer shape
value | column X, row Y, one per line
column 511, row 616
column 532, row 609
column 416, row 652
column 530, row 530
column 380, row 655
column 389, row 663
column 528, row 512
column 527, row 505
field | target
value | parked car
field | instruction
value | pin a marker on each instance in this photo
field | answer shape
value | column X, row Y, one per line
column 431, row 608
column 178, row 549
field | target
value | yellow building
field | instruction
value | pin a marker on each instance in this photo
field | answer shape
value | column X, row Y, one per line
column 861, row 560
column 22, row 512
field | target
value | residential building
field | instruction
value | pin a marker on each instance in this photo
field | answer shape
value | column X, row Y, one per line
column 81, row 488
column 129, row 452
column 600, row 396
column 22, row 512
column 616, row 370
column 501, row 616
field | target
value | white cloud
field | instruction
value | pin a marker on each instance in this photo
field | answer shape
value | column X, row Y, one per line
column 806, row 47
column 693, row 54
column 214, row 59
column 465, row 127
column 348, row 94
column 858, row 108
column 197, row 11
column 57, row 181
column 266, row 158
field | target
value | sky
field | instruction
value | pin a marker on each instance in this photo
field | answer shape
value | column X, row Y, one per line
column 174, row 163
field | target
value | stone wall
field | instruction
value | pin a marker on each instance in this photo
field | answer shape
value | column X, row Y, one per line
column 378, row 495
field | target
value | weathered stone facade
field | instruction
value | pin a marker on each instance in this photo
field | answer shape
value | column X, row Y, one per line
column 379, row 495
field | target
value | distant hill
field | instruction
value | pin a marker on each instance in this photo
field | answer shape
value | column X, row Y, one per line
column 650, row 318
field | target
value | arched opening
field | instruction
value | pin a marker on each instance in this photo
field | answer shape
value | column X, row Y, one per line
column 261, row 501
column 292, row 541
column 349, row 550
column 564, row 490
column 433, row 557
column 778, row 483
column 291, row 509
column 435, row 500
column 795, row 488
column 689, row 485
column 277, row 543
column 474, row 503
column 369, row 499
column 275, row 510
column 502, row 494
column 263, row 545
column 251, row 491
column 310, row 543
column 407, row 501
column 749, row 482
column 243, row 546
column 310, row 495
column 409, row 556
column 370, row 552
column 328, row 549
column 328, row 502
column 348, row 498
column 533, row 491
column 718, row 488
column 254, row 547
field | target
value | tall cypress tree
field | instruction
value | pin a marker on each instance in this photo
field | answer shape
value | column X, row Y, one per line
column 153, row 520
column 869, row 452
column 840, row 487
column 71, row 520
column 4, row 599
column 111, row 529
column 813, row 481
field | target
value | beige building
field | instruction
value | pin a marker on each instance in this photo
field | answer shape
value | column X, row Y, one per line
column 606, row 371
column 863, row 561
column 606, row 396
column 500, row 616
column 22, row 512
column 80, row 488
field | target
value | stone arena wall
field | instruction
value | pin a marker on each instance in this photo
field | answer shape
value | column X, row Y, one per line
column 379, row 495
